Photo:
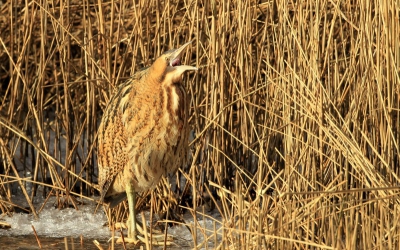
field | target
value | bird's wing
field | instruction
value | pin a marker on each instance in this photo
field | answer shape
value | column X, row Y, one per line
column 113, row 201
column 112, row 156
column 112, row 138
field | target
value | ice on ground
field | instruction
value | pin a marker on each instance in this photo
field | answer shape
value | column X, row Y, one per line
column 53, row 222
column 70, row 222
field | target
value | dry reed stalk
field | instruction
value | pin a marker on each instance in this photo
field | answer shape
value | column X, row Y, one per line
column 65, row 243
column 295, row 112
column 97, row 244
column 36, row 236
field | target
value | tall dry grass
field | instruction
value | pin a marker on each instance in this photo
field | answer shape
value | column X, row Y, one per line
column 295, row 111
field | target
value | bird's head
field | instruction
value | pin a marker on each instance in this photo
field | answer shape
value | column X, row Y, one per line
column 168, row 69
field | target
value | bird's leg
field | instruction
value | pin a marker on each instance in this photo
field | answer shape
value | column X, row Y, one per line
column 133, row 226
column 131, row 194
column 131, row 223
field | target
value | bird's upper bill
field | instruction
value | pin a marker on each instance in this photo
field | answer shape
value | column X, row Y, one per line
column 175, row 59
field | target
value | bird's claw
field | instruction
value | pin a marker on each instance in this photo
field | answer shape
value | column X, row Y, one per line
column 157, row 240
column 121, row 240
column 157, row 237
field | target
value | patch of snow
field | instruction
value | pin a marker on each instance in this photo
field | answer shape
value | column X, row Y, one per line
column 53, row 222
column 70, row 222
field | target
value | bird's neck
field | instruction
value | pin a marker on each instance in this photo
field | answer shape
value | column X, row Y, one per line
column 157, row 71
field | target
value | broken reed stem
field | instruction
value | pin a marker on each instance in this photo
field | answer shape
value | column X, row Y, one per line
column 81, row 240
column 72, row 243
column 123, row 239
column 147, row 242
column 112, row 235
column 65, row 243
column 97, row 244
column 36, row 236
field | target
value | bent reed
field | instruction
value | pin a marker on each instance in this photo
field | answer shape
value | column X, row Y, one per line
column 294, row 113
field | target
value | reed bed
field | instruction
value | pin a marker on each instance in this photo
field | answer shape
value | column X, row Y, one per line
column 294, row 111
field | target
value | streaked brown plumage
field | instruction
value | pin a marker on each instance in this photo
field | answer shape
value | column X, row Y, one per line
column 144, row 131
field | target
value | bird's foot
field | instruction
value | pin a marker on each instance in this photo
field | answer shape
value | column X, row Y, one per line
column 143, row 236
column 127, row 240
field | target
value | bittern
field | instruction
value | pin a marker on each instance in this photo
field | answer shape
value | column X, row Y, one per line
column 144, row 132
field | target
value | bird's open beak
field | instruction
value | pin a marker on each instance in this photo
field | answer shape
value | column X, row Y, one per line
column 175, row 60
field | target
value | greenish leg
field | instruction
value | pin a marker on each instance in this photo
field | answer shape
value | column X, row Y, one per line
column 131, row 194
